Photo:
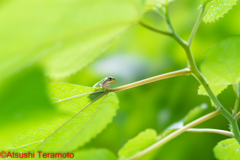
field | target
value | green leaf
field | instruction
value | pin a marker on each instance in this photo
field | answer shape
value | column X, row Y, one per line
column 64, row 35
column 91, row 154
column 194, row 113
column 228, row 149
column 218, row 9
column 138, row 143
column 221, row 66
column 86, row 116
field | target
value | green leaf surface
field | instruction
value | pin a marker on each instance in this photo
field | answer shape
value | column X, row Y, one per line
column 218, row 9
column 64, row 35
column 228, row 149
column 138, row 143
column 221, row 66
column 194, row 113
column 94, row 154
column 86, row 116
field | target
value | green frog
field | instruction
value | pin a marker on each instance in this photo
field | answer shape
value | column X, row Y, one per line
column 105, row 83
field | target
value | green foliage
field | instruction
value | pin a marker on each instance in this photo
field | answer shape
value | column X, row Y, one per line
column 64, row 35
column 218, row 9
column 138, row 143
column 221, row 66
column 86, row 116
column 24, row 103
column 31, row 104
column 194, row 113
column 228, row 149
column 91, row 154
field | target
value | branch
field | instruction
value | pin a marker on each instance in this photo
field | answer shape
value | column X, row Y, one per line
column 195, row 28
column 197, row 74
column 154, row 29
column 185, row 71
column 237, row 115
column 236, row 91
column 206, row 130
column 173, row 135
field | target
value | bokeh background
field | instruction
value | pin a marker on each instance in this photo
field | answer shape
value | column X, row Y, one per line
column 136, row 54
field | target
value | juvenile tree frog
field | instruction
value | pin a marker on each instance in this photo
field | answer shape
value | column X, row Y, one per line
column 105, row 83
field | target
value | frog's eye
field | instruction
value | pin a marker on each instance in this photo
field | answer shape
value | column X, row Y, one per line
column 109, row 78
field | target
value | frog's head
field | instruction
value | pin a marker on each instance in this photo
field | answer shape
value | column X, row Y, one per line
column 110, row 80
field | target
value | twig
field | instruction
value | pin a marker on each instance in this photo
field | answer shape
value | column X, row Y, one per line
column 185, row 71
column 207, row 130
column 195, row 28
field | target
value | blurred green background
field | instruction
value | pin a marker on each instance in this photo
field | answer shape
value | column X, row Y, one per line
column 137, row 54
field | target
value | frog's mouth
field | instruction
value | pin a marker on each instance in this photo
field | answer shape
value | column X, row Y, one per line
column 113, row 80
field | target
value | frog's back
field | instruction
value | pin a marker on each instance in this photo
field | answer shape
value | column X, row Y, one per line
column 98, row 85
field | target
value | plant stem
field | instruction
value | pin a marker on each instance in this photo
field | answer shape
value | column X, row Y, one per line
column 154, row 29
column 207, row 130
column 204, row 83
column 173, row 135
column 237, row 116
column 197, row 74
column 236, row 91
column 184, row 71
column 195, row 28
column 168, row 19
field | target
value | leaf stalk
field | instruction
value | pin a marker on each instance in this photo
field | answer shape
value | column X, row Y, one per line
column 154, row 29
column 185, row 71
column 195, row 28
column 208, row 130
column 236, row 91
column 197, row 74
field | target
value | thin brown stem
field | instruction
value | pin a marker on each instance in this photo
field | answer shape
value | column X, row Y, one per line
column 207, row 130
column 185, row 71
